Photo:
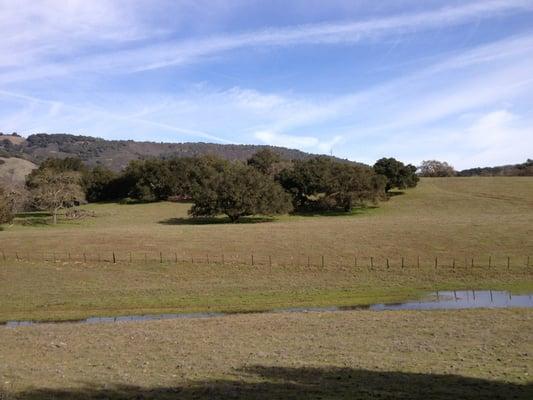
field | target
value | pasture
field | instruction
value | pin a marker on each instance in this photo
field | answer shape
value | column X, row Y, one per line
column 445, row 231
column 167, row 262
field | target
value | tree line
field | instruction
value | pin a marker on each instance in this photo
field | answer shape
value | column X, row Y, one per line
column 265, row 184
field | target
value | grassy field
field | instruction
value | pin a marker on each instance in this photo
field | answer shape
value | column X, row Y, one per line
column 452, row 219
column 469, row 354
column 181, row 265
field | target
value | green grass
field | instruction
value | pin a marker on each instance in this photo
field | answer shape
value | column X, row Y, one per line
column 450, row 218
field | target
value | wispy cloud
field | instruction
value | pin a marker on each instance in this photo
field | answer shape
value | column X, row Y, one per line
column 57, row 30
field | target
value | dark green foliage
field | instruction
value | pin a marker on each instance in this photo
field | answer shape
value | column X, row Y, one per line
column 101, row 184
column 265, row 161
column 324, row 184
column 151, row 180
column 63, row 164
column 398, row 175
column 239, row 190
column 524, row 169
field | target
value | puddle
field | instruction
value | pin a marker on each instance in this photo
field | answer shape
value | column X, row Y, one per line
column 445, row 300
column 460, row 299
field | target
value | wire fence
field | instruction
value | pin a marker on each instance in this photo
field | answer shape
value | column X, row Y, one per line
column 260, row 259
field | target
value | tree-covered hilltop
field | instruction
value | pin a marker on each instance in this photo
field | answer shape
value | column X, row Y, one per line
column 116, row 154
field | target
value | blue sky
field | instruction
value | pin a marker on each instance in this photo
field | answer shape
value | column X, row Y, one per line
column 449, row 80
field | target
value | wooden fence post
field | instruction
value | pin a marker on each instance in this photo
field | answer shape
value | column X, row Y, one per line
column 403, row 265
column 490, row 261
column 160, row 257
column 4, row 256
column 308, row 261
column 270, row 263
column 453, row 263
column 418, row 262
column 355, row 262
column 252, row 259
column 472, row 262
column 508, row 262
column 323, row 262
column 371, row 262
column 114, row 258
column 436, row 262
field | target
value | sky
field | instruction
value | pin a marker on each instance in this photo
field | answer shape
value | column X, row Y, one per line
column 360, row 79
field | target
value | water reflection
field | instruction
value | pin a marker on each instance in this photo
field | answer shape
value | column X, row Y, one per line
column 440, row 300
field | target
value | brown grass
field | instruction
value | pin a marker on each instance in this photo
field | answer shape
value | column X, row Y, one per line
column 470, row 354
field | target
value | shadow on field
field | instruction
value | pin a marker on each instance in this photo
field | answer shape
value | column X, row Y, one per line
column 335, row 213
column 260, row 382
column 215, row 220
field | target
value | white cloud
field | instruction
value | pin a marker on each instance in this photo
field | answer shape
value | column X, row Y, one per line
column 295, row 141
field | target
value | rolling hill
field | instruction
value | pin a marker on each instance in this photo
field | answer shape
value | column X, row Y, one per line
column 116, row 154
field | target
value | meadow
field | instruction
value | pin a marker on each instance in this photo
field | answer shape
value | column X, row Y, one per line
column 444, row 233
column 167, row 262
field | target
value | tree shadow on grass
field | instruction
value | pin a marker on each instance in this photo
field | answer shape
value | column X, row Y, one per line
column 215, row 220
column 395, row 193
column 335, row 213
column 262, row 383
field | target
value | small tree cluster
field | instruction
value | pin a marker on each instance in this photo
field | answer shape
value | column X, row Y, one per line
column 398, row 175
column 434, row 168
column 324, row 184
column 239, row 190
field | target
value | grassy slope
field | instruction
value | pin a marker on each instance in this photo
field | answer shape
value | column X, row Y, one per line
column 446, row 217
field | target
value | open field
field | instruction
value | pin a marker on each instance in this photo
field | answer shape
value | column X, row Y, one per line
column 453, row 218
column 469, row 354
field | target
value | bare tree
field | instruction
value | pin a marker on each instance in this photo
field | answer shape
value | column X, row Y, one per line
column 434, row 168
column 54, row 191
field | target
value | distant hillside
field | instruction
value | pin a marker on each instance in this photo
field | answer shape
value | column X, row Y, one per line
column 524, row 169
column 116, row 154
column 13, row 171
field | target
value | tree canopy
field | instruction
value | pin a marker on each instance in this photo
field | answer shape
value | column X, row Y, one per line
column 324, row 184
column 239, row 190
column 398, row 175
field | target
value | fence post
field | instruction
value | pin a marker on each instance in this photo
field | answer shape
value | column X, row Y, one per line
column 270, row 263
column 453, row 263
column 472, row 262
column 490, row 261
column 4, row 256
column 308, row 261
column 114, row 258
column 84, row 258
column 355, row 262
column 508, row 262
column 527, row 262
column 17, row 256
column 160, row 257
column 418, row 262
column 402, row 263
column 69, row 259
column 252, row 259
column 436, row 262
column 207, row 258
column 175, row 257
column 322, row 262
column 388, row 263
column 371, row 262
